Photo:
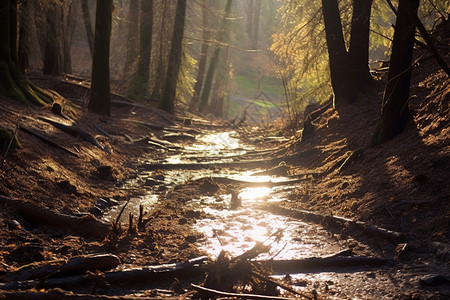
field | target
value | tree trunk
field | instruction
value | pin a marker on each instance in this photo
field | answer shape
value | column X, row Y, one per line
column 100, row 100
column 139, row 83
column 132, row 43
column 168, row 98
column 256, row 16
column 204, row 97
column 24, row 36
column 88, row 25
column 203, row 58
column 69, row 21
column 13, row 83
column 52, row 47
column 359, row 44
column 349, row 70
column 395, row 112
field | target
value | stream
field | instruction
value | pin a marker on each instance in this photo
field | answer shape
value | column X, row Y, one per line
column 238, row 230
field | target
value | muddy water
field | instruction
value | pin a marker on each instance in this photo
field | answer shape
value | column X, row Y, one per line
column 238, row 230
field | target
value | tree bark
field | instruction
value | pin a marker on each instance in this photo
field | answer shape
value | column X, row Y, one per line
column 52, row 48
column 203, row 58
column 139, row 84
column 349, row 70
column 337, row 53
column 168, row 98
column 204, row 97
column 395, row 111
column 13, row 83
column 359, row 44
column 88, row 25
column 132, row 43
column 24, row 17
column 100, row 100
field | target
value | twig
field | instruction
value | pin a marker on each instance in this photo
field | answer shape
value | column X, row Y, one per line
column 228, row 294
column 116, row 222
column 284, row 287
column 9, row 145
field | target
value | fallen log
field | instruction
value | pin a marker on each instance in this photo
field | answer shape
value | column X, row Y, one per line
column 47, row 140
column 58, row 294
column 75, row 130
column 87, row 226
column 211, row 292
column 209, row 165
column 125, row 277
column 338, row 222
column 227, row 180
column 58, row 268
column 322, row 264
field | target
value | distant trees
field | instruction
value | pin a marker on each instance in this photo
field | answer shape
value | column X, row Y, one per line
column 167, row 102
column 100, row 100
column 139, row 83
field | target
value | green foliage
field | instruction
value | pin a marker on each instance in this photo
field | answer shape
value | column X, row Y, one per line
column 6, row 137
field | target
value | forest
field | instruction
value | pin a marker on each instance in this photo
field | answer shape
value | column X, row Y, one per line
column 206, row 149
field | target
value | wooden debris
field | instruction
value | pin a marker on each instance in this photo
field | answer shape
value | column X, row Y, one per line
column 316, row 264
column 227, row 180
column 335, row 221
column 208, row 165
column 58, row 294
column 126, row 277
column 75, row 130
column 58, row 268
column 213, row 292
column 87, row 226
column 47, row 140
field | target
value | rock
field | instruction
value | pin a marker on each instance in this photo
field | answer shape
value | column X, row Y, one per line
column 96, row 211
column 105, row 173
column 13, row 224
column 112, row 202
column 182, row 221
column 159, row 177
column 152, row 182
column 67, row 187
column 162, row 188
column 102, row 203
column 191, row 239
column 434, row 280
column 191, row 214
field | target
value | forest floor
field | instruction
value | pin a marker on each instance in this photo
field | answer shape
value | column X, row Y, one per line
column 402, row 185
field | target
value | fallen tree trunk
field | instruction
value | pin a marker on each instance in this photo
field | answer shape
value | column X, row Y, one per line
column 87, row 226
column 338, row 222
column 209, row 165
column 57, row 268
column 227, row 180
column 126, row 277
column 58, row 294
column 321, row 264
column 75, row 130
column 47, row 140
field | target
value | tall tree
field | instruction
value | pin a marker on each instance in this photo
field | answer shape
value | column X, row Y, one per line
column 168, row 98
column 52, row 64
column 139, row 82
column 24, row 36
column 132, row 43
column 100, row 100
column 13, row 83
column 395, row 111
column 207, row 85
column 349, row 70
column 203, row 56
column 88, row 25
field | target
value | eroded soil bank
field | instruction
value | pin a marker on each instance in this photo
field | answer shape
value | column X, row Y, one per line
column 51, row 191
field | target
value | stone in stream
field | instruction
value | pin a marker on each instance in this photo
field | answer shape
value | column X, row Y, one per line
column 96, row 211
column 102, row 203
column 434, row 280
